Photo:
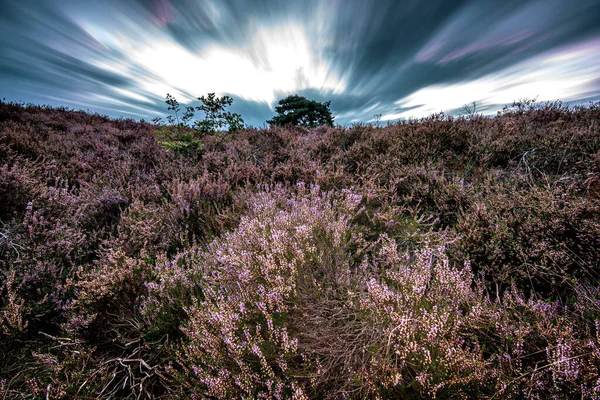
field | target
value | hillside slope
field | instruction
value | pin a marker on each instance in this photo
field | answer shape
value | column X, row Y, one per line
column 444, row 257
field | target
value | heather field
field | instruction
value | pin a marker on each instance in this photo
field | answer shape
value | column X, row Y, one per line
column 436, row 258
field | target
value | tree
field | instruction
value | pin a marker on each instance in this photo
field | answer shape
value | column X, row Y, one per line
column 180, row 137
column 469, row 110
column 215, row 116
column 299, row 111
column 174, row 106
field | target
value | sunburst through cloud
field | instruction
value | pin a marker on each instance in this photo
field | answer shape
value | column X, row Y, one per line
column 397, row 59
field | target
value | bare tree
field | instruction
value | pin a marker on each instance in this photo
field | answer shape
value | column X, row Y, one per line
column 469, row 110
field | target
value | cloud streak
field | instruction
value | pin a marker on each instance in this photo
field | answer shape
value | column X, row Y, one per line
column 570, row 73
column 399, row 59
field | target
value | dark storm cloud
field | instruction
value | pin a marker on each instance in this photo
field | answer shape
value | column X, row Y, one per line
column 388, row 57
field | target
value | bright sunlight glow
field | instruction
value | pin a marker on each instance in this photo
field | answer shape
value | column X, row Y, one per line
column 278, row 60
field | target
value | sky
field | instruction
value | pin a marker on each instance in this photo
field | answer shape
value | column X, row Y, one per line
column 394, row 58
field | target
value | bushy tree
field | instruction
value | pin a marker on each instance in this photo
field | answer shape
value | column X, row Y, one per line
column 299, row 111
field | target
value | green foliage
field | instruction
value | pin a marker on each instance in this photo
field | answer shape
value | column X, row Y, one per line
column 182, row 138
column 186, row 143
column 299, row 111
column 216, row 118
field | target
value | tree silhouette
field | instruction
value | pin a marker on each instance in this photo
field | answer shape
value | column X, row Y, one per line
column 299, row 111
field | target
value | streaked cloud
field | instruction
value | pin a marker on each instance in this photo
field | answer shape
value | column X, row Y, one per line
column 287, row 64
column 396, row 58
column 566, row 73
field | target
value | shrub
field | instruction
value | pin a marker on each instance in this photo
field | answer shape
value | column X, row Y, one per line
column 286, row 249
column 542, row 239
column 434, row 258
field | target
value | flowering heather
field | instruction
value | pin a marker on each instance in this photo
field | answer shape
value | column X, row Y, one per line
column 439, row 258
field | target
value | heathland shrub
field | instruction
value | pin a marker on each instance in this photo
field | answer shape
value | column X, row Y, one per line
column 287, row 250
column 417, row 307
column 544, row 239
column 446, row 258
